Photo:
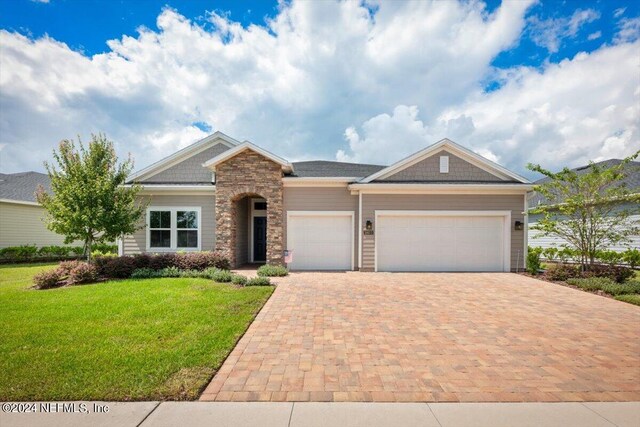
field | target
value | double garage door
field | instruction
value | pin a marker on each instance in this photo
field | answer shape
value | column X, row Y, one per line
column 429, row 241
column 404, row 241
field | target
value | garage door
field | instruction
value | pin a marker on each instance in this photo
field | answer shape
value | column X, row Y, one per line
column 320, row 240
column 428, row 242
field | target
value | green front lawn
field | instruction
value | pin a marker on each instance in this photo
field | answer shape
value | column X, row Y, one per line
column 117, row 340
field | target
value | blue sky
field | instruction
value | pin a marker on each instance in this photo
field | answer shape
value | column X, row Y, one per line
column 550, row 82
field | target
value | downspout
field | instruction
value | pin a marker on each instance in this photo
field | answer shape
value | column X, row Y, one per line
column 359, row 229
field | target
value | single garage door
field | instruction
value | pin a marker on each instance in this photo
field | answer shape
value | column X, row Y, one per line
column 415, row 241
column 320, row 240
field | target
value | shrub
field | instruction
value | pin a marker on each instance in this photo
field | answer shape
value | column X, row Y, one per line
column 272, row 271
column 160, row 261
column 19, row 252
column 609, row 257
column 617, row 273
column 222, row 276
column 144, row 273
column 66, row 266
column 533, row 260
column 83, row 273
column 591, row 283
column 622, row 288
column 48, row 279
column 118, row 267
column 200, row 261
column 562, row 272
column 566, row 254
column 550, row 253
column 239, row 279
column 258, row 281
column 143, row 260
column 105, row 248
column 55, row 251
column 606, row 285
column 631, row 299
column 631, row 257
column 169, row 272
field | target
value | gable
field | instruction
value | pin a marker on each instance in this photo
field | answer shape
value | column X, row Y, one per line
column 464, row 172
column 189, row 170
column 428, row 170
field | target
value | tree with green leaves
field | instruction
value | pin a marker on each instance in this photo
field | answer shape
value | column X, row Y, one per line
column 89, row 201
column 590, row 210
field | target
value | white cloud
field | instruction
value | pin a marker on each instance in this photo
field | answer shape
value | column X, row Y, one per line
column 322, row 80
column 292, row 87
column 629, row 30
column 566, row 114
column 594, row 36
column 618, row 12
column 549, row 33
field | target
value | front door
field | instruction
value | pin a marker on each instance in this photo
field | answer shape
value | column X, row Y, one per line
column 259, row 239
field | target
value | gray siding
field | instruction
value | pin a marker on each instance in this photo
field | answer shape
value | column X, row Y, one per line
column 373, row 202
column 429, row 170
column 321, row 199
column 536, row 240
column 137, row 242
column 190, row 170
column 24, row 225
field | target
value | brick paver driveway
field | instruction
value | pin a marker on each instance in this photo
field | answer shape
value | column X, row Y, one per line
column 433, row 337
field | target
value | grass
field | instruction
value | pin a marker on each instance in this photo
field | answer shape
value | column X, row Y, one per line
column 118, row 340
column 632, row 299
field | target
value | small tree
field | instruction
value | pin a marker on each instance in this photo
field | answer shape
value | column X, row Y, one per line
column 590, row 211
column 89, row 202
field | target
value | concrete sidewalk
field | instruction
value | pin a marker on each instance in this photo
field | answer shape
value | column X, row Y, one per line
column 317, row 414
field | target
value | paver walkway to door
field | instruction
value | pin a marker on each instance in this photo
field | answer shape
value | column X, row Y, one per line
column 428, row 337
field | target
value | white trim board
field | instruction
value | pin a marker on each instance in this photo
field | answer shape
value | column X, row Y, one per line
column 506, row 243
column 173, row 228
column 20, row 202
column 453, row 148
column 246, row 145
column 324, row 213
column 398, row 188
column 183, row 154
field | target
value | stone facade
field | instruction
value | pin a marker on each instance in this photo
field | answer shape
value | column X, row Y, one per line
column 429, row 170
column 249, row 174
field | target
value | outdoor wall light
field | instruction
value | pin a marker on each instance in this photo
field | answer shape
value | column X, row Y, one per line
column 519, row 225
column 368, row 225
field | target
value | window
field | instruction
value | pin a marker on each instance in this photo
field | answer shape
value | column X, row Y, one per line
column 171, row 229
column 160, row 229
column 260, row 206
column 187, row 225
column 444, row 164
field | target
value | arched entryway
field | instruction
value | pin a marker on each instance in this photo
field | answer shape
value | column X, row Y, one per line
column 250, row 212
column 241, row 182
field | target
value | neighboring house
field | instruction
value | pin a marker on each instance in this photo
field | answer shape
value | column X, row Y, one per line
column 631, row 181
column 21, row 217
column 443, row 208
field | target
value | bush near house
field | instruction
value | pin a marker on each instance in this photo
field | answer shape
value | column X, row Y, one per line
column 268, row 270
column 31, row 253
column 206, row 265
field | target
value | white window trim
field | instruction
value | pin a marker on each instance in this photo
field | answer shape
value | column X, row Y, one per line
column 174, row 228
column 506, row 224
column 444, row 164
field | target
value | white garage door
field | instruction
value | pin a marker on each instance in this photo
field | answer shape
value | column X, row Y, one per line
column 320, row 240
column 428, row 242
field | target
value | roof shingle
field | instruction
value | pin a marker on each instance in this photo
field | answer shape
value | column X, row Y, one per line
column 22, row 186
